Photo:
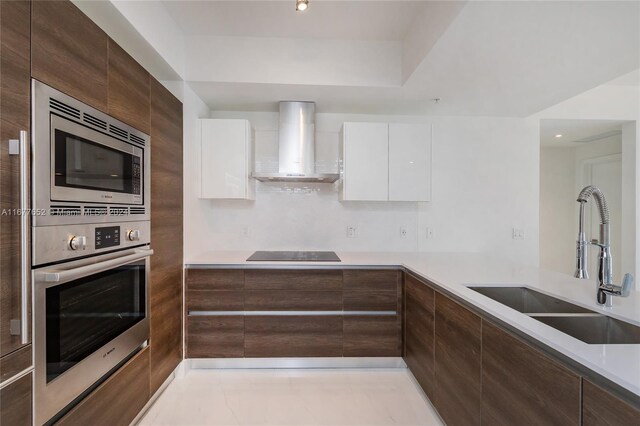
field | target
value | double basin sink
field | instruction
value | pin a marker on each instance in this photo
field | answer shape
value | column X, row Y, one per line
column 576, row 321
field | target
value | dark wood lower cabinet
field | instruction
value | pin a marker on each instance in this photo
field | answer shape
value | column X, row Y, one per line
column 292, row 336
column 15, row 402
column 118, row 400
column 15, row 362
column 372, row 335
column 457, row 363
column 521, row 385
column 602, row 408
column 218, row 336
column 419, row 337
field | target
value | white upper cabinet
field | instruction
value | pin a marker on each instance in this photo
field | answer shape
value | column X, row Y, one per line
column 409, row 162
column 385, row 162
column 364, row 161
column 226, row 159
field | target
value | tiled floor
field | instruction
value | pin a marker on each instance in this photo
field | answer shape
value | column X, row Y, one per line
column 292, row 397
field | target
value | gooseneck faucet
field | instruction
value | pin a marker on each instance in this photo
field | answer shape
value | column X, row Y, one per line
column 605, row 288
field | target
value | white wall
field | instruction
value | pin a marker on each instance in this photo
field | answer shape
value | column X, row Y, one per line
column 558, row 217
column 485, row 179
column 614, row 102
column 561, row 179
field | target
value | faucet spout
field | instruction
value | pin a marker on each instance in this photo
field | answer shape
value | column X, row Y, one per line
column 605, row 289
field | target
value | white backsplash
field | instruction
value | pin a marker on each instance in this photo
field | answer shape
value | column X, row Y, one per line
column 485, row 180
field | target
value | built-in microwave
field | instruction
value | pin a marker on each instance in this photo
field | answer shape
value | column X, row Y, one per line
column 88, row 167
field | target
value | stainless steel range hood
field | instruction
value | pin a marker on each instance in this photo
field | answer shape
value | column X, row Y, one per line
column 297, row 146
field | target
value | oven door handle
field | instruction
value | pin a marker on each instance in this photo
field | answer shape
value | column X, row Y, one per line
column 53, row 276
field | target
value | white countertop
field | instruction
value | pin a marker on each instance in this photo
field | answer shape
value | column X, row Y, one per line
column 455, row 271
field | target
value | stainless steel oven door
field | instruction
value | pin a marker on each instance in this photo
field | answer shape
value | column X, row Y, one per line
column 88, row 166
column 89, row 316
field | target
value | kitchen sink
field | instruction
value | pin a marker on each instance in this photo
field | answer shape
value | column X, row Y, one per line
column 528, row 301
column 576, row 321
column 594, row 328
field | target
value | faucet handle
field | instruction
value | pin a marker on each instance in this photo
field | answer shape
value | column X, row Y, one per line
column 595, row 242
column 627, row 284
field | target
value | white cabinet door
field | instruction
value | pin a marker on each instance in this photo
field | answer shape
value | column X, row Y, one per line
column 409, row 162
column 225, row 158
column 365, row 156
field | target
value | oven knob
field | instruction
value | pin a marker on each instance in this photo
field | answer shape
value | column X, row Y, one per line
column 78, row 242
column 134, row 235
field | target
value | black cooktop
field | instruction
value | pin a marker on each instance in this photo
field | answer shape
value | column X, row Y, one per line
column 294, row 256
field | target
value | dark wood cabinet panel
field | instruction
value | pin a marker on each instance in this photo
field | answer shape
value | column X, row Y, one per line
column 118, row 400
column 371, row 300
column 372, row 290
column 215, row 290
column 69, row 52
column 457, row 363
column 292, row 300
column 15, row 402
column 282, row 279
column 14, row 116
column 15, row 62
column 372, row 335
column 128, row 94
column 15, row 362
column 602, row 408
column 522, row 385
column 291, row 336
column 217, row 300
column 419, row 329
column 215, row 279
column 215, row 336
column 166, row 234
column 371, row 279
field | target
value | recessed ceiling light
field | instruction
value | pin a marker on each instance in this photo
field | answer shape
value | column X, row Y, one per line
column 302, row 5
column 558, row 135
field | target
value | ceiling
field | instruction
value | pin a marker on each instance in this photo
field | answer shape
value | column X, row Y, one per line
column 348, row 20
column 577, row 130
column 491, row 58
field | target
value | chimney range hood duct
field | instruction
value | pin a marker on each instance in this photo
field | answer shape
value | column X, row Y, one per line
column 297, row 146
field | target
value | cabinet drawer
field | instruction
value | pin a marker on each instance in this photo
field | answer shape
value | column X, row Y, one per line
column 215, row 290
column 203, row 300
column 118, row 400
column 293, row 336
column 15, row 362
column 15, row 402
column 316, row 280
column 215, row 279
column 371, row 290
column 370, row 335
column 292, row 300
column 215, row 337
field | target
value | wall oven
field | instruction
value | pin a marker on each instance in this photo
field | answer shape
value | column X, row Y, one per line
column 90, row 315
column 90, row 247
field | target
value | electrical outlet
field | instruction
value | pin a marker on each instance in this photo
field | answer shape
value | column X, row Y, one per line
column 429, row 233
column 517, row 234
column 352, row 231
column 403, row 232
column 245, row 231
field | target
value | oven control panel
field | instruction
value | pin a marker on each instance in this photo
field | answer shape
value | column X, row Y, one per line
column 65, row 242
column 107, row 236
